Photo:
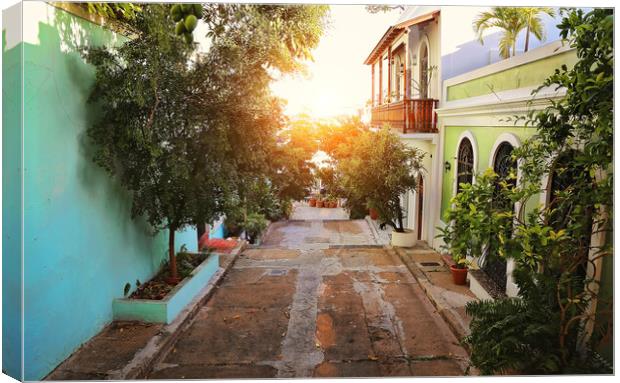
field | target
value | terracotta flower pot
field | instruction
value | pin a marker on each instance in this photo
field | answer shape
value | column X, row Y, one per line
column 374, row 215
column 312, row 202
column 334, row 204
column 459, row 276
column 319, row 203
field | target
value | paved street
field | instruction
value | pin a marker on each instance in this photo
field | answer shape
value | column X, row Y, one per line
column 317, row 298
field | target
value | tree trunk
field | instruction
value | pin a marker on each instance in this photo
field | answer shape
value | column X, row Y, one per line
column 399, row 217
column 527, row 37
column 200, row 230
column 174, row 278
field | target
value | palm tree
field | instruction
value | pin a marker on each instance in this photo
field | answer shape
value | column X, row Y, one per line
column 534, row 23
column 512, row 20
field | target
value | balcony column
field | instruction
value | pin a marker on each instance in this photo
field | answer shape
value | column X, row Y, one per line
column 406, row 87
column 380, row 102
column 389, row 87
column 372, row 78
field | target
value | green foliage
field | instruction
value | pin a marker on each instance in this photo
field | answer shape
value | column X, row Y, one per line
column 380, row 169
column 254, row 225
column 177, row 128
column 278, row 35
column 291, row 160
column 376, row 8
column 120, row 11
column 477, row 224
column 557, row 248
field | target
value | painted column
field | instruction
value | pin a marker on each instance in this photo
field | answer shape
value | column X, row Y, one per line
column 372, row 78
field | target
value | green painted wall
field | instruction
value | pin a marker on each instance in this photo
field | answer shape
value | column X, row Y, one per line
column 526, row 75
column 80, row 244
column 11, row 210
column 485, row 138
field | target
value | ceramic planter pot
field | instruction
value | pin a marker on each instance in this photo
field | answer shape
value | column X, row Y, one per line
column 319, row 203
column 405, row 239
column 374, row 215
column 312, row 202
column 459, row 276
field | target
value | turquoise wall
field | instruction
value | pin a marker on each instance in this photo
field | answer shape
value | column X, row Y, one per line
column 11, row 210
column 80, row 244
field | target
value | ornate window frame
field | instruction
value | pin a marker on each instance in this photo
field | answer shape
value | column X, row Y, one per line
column 474, row 145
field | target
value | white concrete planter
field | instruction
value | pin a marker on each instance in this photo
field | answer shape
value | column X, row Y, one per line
column 406, row 239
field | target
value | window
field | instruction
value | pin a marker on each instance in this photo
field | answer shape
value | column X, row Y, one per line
column 503, row 165
column 465, row 164
column 424, row 70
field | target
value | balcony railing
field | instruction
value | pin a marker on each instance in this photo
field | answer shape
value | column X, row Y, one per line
column 409, row 116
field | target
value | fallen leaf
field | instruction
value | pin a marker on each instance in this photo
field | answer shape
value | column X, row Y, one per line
column 372, row 357
column 237, row 316
column 318, row 345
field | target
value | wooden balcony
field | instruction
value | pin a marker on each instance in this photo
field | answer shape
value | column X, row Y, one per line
column 408, row 116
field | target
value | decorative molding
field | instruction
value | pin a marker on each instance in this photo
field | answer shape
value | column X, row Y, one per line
column 419, row 136
column 510, row 101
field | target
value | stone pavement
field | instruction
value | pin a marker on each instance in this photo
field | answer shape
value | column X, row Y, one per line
column 301, row 211
column 431, row 271
column 317, row 299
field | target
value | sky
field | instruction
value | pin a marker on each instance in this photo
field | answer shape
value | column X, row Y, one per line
column 337, row 82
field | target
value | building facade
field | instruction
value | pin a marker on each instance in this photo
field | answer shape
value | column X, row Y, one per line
column 409, row 65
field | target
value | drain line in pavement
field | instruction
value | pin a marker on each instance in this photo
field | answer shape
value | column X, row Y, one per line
column 299, row 352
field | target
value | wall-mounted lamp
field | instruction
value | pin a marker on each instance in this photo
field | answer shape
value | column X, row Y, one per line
column 447, row 166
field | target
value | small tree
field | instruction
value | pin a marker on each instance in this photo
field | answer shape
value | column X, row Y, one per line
column 380, row 170
column 147, row 135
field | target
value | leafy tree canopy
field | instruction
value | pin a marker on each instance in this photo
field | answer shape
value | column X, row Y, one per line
column 379, row 171
column 186, row 132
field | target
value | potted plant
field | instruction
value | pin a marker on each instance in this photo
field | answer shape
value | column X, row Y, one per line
column 381, row 168
column 312, row 202
column 475, row 219
column 319, row 203
column 459, row 269
column 374, row 214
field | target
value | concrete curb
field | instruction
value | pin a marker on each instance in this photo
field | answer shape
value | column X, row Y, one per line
column 158, row 346
column 452, row 318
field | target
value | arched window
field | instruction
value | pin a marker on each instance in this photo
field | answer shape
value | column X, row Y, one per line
column 465, row 164
column 424, row 70
column 503, row 165
column 562, row 214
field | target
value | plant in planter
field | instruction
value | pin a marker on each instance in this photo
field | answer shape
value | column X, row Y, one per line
column 459, row 269
column 381, row 169
column 254, row 225
column 319, row 203
column 475, row 222
column 374, row 214
column 312, row 202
